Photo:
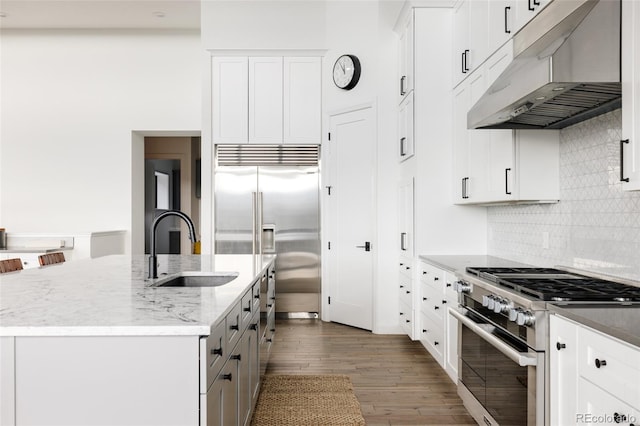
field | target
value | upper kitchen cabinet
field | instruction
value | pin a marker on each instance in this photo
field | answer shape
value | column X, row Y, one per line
column 405, row 69
column 501, row 22
column 470, row 37
column 230, row 94
column 267, row 99
column 630, row 144
column 302, row 100
column 525, row 10
column 405, row 128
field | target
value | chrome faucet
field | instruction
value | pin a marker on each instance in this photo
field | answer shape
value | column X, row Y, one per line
column 153, row 258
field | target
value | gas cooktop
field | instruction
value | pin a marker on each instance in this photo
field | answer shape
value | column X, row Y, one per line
column 552, row 284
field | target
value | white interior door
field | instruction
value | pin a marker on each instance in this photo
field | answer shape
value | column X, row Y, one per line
column 351, row 217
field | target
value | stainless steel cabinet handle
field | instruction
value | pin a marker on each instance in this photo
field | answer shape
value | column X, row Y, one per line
column 402, row 80
column 403, row 144
column 403, row 241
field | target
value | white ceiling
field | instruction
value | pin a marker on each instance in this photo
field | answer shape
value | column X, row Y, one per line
column 100, row 14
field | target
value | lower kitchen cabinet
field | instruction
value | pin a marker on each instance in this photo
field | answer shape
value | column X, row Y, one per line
column 438, row 330
column 406, row 297
column 141, row 380
column 593, row 377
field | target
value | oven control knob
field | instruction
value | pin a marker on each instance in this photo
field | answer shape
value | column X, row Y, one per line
column 526, row 318
column 513, row 314
column 485, row 300
column 463, row 287
column 491, row 302
column 501, row 306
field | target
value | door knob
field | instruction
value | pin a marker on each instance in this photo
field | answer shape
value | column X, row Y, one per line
column 366, row 246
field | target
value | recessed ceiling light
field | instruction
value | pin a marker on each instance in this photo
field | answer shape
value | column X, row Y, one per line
column 158, row 14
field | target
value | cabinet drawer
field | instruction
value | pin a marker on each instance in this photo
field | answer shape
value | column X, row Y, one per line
column 433, row 303
column 256, row 297
column 246, row 309
column 432, row 337
column 234, row 321
column 596, row 406
column 431, row 275
column 214, row 356
column 450, row 292
column 405, row 289
column 610, row 364
column 406, row 318
column 405, row 267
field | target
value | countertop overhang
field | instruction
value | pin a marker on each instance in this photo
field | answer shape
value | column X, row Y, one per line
column 111, row 296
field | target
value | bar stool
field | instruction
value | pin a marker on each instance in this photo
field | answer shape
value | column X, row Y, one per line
column 51, row 258
column 10, row 265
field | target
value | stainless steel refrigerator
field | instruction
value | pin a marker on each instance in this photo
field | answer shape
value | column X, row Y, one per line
column 267, row 201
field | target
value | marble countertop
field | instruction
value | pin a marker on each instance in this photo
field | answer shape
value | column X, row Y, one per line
column 453, row 263
column 111, row 295
column 621, row 321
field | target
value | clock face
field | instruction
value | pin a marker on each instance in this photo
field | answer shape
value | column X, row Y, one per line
column 346, row 72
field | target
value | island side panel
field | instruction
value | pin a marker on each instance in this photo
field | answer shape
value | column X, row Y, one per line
column 110, row 380
column 7, row 381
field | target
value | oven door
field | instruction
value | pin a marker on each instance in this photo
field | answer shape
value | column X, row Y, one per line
column 497, row 373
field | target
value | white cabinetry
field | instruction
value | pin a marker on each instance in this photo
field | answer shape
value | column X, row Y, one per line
column 470, row 36
column 438, row 331
column 501, row 23
column 271, row 99
column 630, row 143
column 406, row 296
column 405, row 69
column 526, row 10
column 592, row 376
column 498, row 166
column 405, row 126
column 406, row 217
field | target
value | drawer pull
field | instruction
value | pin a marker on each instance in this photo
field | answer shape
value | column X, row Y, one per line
column 436, row 278
column 408, row 292
column 560, row 346
column 228, row 377
column 436, row 343
column 253, row 326
column 401, row 286
column 234, row 327
column 407, row 321
column 424, row 330
column 217, row 351
column 247, row 309
column 257, row 296
column 436, row 307
column 600, row 363
column 424, row 298
column 237, row 357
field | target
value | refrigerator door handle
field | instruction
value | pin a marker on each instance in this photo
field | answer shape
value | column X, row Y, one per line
column 254, row 199
column 260, row 222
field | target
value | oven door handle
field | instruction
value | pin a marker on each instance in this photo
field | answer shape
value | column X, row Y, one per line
column 523, row 359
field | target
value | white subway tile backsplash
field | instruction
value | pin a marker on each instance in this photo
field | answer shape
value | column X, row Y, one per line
column 595, row 226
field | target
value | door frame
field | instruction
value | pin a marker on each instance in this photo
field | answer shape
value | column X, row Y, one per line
column 325, row 212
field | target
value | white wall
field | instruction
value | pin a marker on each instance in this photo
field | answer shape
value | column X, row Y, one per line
column 362, row 28
column 70, row 102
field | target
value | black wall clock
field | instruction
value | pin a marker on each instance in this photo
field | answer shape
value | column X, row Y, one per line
column 346, row 72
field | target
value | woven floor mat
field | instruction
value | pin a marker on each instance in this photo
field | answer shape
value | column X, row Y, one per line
column 307, row 400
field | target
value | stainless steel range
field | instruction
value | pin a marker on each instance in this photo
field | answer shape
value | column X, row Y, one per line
column 503, row 336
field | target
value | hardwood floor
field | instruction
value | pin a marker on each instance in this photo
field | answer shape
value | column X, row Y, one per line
column 395, row 379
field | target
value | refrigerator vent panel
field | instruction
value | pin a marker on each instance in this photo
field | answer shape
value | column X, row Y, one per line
column 267, row 155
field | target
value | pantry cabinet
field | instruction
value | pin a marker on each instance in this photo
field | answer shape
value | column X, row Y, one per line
column 406, row 62
column 591, row 375
column 630, row 142
column 267, row 99
column 406, row 146
column 406, row 296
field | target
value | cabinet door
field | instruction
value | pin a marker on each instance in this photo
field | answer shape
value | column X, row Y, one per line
column 406, row 216
column 406, row 135
column 406, row 58
column 500, row 166
column 478, row 33
column 630, row 144
column 526, row 10
column 460, row 143
column 265, row 99
column 460, row 41
column 502, row 15
column 563, row 374
column 451, row 349
column 230, row 99
column 478, row 145
column 302, row 99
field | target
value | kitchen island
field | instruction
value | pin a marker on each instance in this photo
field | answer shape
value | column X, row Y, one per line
column 95, row 342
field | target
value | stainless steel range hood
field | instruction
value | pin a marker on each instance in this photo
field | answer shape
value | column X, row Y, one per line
column 566, row 69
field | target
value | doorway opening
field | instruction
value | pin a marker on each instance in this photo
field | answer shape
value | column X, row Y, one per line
column 171, row 182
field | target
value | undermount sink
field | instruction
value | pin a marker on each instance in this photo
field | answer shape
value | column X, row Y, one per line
column 199, row 280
